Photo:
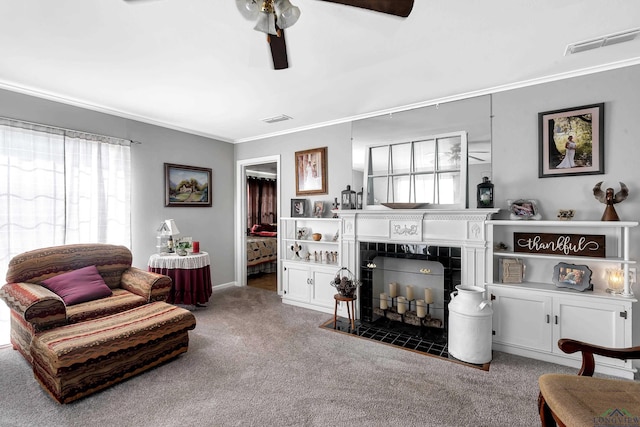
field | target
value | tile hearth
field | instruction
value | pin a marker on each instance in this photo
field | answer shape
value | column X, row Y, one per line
column 405, row 337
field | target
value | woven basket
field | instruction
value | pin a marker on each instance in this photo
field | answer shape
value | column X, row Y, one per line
column 345, row 282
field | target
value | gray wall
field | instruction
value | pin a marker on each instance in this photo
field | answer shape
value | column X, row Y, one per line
column 213, row 227
column 336, row 138
column 515, row 145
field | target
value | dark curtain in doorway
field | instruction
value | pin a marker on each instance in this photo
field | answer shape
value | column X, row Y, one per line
column 262, row 201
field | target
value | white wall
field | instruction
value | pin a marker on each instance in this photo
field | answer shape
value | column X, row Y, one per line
column 212, row 226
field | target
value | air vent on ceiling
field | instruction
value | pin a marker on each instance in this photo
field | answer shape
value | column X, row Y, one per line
column 615, row 38
column 276, row 119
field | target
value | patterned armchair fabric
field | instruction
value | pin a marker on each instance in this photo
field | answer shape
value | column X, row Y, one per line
column 34, row 308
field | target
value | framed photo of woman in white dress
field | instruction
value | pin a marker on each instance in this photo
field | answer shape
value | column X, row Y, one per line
column 571, row 141
column 311, row 171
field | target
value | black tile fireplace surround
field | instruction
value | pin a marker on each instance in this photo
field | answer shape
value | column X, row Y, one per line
column 449, row 257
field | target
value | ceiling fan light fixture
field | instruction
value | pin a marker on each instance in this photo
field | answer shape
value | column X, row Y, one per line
column 266, row 23
column 286, row 13
column 249, row 8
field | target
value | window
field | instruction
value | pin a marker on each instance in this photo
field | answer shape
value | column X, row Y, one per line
column 429, row 170
column 60, row 187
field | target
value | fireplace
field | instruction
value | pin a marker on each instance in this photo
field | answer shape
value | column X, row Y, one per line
column 453, row 245
column 437, row 268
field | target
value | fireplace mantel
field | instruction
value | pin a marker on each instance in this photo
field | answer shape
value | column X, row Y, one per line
column 462, row 228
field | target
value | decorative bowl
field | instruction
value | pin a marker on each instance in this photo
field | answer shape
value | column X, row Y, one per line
column 316, row 236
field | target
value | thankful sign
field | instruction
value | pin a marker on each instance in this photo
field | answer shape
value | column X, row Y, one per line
column 592, row 245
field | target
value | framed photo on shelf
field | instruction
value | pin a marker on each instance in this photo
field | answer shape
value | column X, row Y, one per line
column 571, row 141
column 318, row 209
column 572, row 276
column 187, row 186
column 511, row 270
column 523, row 209
column 311, row 171
column 298, row 208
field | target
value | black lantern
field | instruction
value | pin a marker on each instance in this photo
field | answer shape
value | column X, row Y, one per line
column 348, row 198
column 359, row 198
column 485, row 193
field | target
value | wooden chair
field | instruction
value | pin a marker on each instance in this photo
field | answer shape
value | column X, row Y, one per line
column 581, row 400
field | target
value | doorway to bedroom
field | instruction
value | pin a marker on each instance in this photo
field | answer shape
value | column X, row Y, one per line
column 260, row 224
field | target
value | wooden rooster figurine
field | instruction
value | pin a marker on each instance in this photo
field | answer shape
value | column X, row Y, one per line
column 610, row 199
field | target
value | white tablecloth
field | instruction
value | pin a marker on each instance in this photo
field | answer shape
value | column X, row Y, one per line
column 186, row 262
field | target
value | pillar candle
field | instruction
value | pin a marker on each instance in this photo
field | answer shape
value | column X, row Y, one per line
column 428, row 296
column 383, row 302
column 402, row 307
column 196, row 247
column 409, row 292
column 393, row 289
column 420, row 312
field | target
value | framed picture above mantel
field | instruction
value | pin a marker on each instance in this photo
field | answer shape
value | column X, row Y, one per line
column 311, row 171
column 587, row 245
column 571, row 141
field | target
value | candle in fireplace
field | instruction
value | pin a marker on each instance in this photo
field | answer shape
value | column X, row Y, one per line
column 393, row 289
column 428, row 296
column 409, row 292
column 420, row 311
column 383, row 301
column 402, row 306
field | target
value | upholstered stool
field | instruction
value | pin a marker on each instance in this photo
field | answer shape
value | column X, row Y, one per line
column 351, row 314
column 77, row 360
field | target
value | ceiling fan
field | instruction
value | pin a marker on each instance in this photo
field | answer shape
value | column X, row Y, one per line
column 273, row 16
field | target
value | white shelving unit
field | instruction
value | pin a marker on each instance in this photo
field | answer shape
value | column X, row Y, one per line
column 306, row 277
column 530, row 317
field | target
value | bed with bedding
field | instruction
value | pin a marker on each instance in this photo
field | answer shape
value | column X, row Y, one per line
column 262, row 249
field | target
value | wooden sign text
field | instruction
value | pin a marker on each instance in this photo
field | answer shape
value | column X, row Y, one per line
column 592, row 245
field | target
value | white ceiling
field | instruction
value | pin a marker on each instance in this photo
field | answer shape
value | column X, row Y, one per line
column 198, row 66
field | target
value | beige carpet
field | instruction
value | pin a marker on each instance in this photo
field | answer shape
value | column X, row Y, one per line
column 254, row 361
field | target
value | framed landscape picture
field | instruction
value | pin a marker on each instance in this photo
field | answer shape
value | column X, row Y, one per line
column 187, row 186
column 311, row 171
column 571, row 141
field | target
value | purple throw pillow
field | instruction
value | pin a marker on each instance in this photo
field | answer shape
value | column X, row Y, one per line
column 74, row 287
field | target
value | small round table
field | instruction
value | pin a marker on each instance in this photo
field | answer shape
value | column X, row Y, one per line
column 190, row 274
column 351, row 313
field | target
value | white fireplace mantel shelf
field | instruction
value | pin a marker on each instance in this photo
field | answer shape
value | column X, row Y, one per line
column 416, row 225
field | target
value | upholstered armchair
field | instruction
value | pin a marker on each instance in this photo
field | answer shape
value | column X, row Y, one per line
column 35, row 307
column 581, row 400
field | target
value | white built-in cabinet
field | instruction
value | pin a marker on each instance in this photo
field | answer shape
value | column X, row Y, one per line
column 306, row 277
column 530, row 317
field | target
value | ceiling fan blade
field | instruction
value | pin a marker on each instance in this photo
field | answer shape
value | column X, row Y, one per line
column 278, row 50
column 392, row 7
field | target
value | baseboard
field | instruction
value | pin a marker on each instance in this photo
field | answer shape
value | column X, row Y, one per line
column 224, row 286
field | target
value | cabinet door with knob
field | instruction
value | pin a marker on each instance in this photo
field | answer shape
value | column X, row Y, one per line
column 308, row 285
column 295, row 282
column 596, row 322
column 529, row 322
column 521, row 319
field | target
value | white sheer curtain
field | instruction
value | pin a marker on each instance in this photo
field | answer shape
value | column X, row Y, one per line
column 59, row 187
column 98, row 190
column 32, row 198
